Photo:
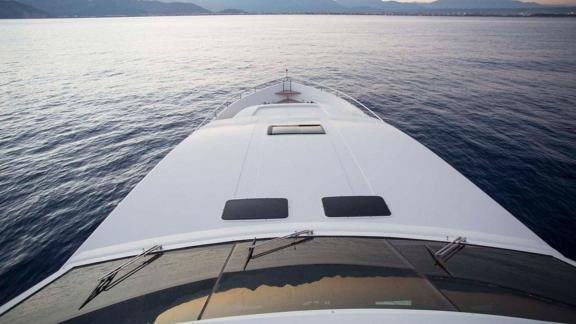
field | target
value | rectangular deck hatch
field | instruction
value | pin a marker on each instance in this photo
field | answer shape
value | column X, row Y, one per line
column 296, row 129
column 355, row 206
column 255, row 208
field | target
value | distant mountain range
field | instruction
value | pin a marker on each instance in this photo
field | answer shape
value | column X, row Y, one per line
column 105, row 8
column 13, row 9
column 482, row 4
column 371, row 5
column 271, row 6
column 343, row 6
column 99, row 8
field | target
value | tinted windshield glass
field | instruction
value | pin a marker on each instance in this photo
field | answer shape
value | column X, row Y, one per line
column 538, row 275
column 322, row 273
column 481, row 297
column 307, row 273
column 137, row 294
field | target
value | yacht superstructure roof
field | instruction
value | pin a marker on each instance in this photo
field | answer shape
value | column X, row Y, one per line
column 180, row 202
column 366, row 208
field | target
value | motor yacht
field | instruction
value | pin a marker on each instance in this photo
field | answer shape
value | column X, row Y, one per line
column 297, row 203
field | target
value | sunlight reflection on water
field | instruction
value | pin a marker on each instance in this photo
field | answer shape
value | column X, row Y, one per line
column 89, row 106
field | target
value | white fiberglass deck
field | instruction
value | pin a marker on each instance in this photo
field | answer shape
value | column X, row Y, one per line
column 180, row 202
column 313, row 153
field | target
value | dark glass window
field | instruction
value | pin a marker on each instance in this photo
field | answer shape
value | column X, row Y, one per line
column 139, row 293
column 355, row 206
column 481, row 297
column 260, row 208
column 295, row 129
column 536, row 274
column 498, row 281
column 321, row 273
column 307, row 273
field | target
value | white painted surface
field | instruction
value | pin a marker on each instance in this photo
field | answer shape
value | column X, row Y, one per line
column 180, row 202
column 342, row 316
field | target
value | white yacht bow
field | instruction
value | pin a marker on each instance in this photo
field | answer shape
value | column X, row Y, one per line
column 290, row 158
column 181, row 201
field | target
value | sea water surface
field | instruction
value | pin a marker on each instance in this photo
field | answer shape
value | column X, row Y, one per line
column 89, row 106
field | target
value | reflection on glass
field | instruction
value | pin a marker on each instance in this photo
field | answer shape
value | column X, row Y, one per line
column 151, row 307
column 185, row 312
column 533, row 274
column 318, row 273
column 314, row 287
column 476, row 297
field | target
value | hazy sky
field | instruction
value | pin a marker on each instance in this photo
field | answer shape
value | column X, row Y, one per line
column 561, row 2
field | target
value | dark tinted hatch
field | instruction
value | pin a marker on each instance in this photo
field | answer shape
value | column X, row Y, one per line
column 260, row 208
column 355, row 206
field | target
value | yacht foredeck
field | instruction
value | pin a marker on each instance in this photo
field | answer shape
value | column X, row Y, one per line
column 180, row 203
column 294, row 204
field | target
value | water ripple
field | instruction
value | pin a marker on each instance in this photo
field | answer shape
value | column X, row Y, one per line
column 89, row 106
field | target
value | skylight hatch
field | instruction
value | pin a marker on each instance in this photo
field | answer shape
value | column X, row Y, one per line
column 296, row 129
column 355, row 206
column 255, row 208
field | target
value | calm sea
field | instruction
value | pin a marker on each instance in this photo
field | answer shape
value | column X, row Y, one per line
column 89, row 106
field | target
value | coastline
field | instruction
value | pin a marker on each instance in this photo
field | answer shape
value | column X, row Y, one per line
column 464, row 15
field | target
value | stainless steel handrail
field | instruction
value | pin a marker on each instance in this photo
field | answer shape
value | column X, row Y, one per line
column 342, row 94
column 215, row 112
